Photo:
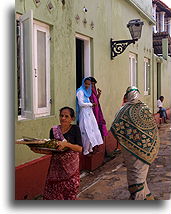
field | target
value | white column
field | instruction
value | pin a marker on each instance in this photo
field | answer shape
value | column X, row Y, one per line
column 154, row 16
column 165, row 24
column 162, row 21
column 158, row 21
column 169, row 26
column 165, row 48
column 154, row 11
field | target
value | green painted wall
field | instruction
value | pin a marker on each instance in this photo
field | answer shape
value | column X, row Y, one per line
column 166, row 82
column 110, row 19
column 62, row 70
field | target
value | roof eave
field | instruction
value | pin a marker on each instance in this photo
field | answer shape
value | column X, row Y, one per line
column 143, row 13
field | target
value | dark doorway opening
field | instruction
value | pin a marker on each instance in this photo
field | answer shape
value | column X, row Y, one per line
column 79, row 62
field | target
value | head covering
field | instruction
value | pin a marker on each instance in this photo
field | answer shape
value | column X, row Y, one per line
column 132, row 93
column 93, row 79
column 87, row 94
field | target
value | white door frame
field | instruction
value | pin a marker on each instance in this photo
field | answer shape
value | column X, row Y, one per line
column 87, row 67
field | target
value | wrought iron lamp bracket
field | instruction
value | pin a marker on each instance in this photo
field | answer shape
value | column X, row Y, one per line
column 118, row 47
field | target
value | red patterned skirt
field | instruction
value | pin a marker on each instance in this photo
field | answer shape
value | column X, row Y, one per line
column 63, row 179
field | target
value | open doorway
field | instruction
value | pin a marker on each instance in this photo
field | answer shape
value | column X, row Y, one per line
column 82, row 58
column 79, row 62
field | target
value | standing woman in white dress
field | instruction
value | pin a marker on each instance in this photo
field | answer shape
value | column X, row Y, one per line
column 90, row 132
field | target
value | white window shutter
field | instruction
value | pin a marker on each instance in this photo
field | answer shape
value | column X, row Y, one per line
column 146, row 76
column 42, row 68
column 133, row 69
column 26, row 23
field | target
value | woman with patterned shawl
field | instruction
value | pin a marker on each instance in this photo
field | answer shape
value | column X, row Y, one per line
column 63, row 178
column 90, row 132
column 94, row 98
column 135, row 129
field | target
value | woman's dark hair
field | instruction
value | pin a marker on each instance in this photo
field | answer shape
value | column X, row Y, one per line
column 88, row 78
column 72, row 113
column 161, row 97
column 93, row 79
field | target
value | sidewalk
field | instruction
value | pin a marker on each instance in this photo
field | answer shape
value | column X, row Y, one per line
column 109, row 182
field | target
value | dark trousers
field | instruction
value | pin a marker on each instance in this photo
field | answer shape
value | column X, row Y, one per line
column 162, row 112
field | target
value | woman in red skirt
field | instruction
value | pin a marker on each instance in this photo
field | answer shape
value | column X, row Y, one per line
column 63, row 178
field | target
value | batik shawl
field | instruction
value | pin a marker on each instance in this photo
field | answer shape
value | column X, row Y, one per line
column 136, row 130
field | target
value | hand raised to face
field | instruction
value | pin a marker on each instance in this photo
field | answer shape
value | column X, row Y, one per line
column 99, row 91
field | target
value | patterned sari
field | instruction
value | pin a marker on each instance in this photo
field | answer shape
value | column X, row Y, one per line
column 135, row 129
column 63, row 177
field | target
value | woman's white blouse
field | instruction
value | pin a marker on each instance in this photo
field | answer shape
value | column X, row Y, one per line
column 80, row 96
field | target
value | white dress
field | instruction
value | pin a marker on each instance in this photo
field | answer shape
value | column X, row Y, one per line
column 90, row 132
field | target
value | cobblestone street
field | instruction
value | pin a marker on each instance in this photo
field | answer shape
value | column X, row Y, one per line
column 109, row 181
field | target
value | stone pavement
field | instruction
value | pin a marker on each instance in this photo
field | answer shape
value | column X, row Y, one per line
column 109, row 182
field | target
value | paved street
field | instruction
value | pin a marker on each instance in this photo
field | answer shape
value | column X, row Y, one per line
column 109, row 181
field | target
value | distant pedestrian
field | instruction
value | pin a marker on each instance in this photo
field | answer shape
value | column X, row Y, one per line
column 90, row 132
column 162, row 110
column 135, row 129
column 94, row 98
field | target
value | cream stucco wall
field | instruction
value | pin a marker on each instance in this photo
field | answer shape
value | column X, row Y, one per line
column 146, row 5
column 164, row 79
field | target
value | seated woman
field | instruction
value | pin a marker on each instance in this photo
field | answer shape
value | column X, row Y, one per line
column 63, row 178
column 162, row 110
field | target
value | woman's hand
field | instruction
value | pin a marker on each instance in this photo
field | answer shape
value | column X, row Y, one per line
column 62, row 145
column 99, row 92
column 94, row 104
column 65, row 144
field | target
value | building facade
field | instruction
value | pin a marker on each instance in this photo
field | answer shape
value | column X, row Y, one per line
column 162, row 51
column 59, row 42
